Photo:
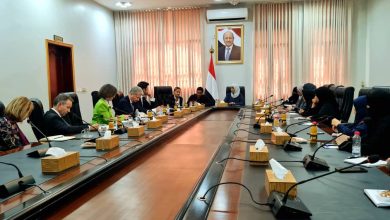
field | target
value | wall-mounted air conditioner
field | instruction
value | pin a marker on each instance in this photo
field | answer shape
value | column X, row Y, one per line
column 229, row 14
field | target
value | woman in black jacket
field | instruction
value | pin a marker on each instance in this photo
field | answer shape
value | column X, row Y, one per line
column 323, row 104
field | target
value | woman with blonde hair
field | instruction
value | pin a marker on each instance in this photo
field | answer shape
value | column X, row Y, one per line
column 16, row 111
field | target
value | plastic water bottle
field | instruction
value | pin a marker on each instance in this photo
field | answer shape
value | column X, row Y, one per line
column 356, row 144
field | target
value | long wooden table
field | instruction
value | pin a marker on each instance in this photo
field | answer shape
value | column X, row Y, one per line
column 146, row 178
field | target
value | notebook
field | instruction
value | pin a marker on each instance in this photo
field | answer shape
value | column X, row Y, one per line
column 381, row 198
column 361, row 159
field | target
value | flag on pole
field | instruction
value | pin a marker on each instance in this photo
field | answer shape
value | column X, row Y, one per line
column 211, row 82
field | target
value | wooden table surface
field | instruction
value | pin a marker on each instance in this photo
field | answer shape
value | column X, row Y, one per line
column 157, row 183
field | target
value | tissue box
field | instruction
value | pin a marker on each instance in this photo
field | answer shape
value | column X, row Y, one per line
column 258, row 155
column 178, row 114
column 272, row 183
column 154, row 124
column 222, row 104
column 53, row 164
column 262, row 120
column 193, row 108
column 257, row 107
column 186, row 111
column 265, row 128
column 279, row 138
column 135, row 131
column 202, row 106
column 163, row 118
column 107, row 143
column 199, row 107
column 259, row 114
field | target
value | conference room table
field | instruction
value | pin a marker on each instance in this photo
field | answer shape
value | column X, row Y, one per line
column 162, row 175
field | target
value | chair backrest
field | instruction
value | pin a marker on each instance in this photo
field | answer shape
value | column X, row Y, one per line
column 75, row 106
column 364, row 91
column 95, row 97
column 329, row 85
column 2, row 108
column 162, row 93
column 242, row 91
column 344, row 97
column 36, row 118
column 115, row 100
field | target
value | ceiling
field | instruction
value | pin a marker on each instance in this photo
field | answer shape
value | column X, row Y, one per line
column 161, row 4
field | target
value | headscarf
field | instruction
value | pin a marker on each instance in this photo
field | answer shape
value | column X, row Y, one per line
column 308, row 92
column 236, row 91
column 378, row 101
column 360, row 104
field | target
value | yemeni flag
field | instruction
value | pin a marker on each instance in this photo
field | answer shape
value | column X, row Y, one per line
column 211, row 83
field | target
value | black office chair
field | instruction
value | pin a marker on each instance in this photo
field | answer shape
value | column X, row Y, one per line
column 242, row 91
column 329, row 85
column 162, row 94
column 364, row 91
column 2, row 108
column 344, row 97
column 36, row 118
column 95, row 97
column 75, row 107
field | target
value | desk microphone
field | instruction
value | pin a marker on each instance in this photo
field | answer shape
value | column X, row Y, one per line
column 310, row 162
column 16, row 185
column 40, row 152
column 284, row 207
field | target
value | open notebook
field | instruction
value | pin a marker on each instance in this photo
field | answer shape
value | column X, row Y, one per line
column 381, row 198
column 57, row 138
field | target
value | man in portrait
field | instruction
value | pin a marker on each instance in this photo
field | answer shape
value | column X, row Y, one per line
column 229, row 51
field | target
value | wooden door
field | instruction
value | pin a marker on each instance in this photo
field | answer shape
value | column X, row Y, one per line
column 60, row 68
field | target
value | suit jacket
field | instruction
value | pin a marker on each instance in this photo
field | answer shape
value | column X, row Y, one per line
column 125, row 107
column 203, row 100
column 172, row 102
column 235, row 54
column 56, row 125
column 146, row 105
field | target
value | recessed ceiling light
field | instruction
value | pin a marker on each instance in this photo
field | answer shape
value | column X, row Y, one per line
column 123, row 4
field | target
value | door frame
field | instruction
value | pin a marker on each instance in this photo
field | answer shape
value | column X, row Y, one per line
column 60, row 44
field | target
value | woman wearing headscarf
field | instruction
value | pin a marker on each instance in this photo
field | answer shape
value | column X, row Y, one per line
column 360, row 108
column 323, row 104
column 378, row 124
column 308, row 93
column 234, row 97
column 16, row 111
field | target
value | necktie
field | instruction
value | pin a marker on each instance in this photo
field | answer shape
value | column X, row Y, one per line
column 227, row 53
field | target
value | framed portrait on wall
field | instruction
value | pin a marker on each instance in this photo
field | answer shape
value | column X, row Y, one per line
column 229, row 44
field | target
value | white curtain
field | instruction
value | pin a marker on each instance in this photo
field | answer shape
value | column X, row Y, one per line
column 162, row 47
column 300, row 42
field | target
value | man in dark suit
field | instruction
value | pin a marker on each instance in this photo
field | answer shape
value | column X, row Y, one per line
column 147, row 101
column 176, row 99
column 59, row 120
column 130, row 103
column 199, row 97
column 229, row 51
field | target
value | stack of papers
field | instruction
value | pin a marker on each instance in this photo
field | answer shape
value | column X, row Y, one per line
column 57, row 138
column 361, row 159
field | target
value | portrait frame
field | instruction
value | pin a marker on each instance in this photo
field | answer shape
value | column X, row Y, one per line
column 236, row 55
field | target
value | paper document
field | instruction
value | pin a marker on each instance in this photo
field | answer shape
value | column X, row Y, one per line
column 361, row 159
column 381, row 198
column 57, row 138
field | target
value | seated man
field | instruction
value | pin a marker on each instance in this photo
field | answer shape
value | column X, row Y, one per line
column 147, row 102
column 130, row 103
column 59, row 120
column 199, row 97
column 176, row 99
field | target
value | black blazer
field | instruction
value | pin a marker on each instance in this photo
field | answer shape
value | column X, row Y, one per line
column 55, row 125
column 145, row 104
column 172, row 102
column 127, row 108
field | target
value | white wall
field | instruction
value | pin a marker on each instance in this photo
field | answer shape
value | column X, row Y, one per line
column 378, row 42
column 24, row 26
column 226, row 74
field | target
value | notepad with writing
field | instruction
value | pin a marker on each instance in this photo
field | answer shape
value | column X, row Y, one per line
column 361, row 159
column 378, row 197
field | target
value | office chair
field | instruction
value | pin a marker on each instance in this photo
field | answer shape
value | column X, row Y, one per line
column 75, row 107
column 242, row 91
column 162, row 94
column 2, row 108
column 364, row 91
column 95, row 98
column 344, row 97
column 36, row 118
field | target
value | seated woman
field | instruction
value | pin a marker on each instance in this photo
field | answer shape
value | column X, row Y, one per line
column 102, row 112
column 293, row 99
column 306, row 93
column 360, row 108
column 234, row 97
column 10, row 134
column 378, row 124
column 323, row 104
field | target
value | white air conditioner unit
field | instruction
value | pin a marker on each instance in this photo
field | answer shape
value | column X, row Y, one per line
column 229, row 14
